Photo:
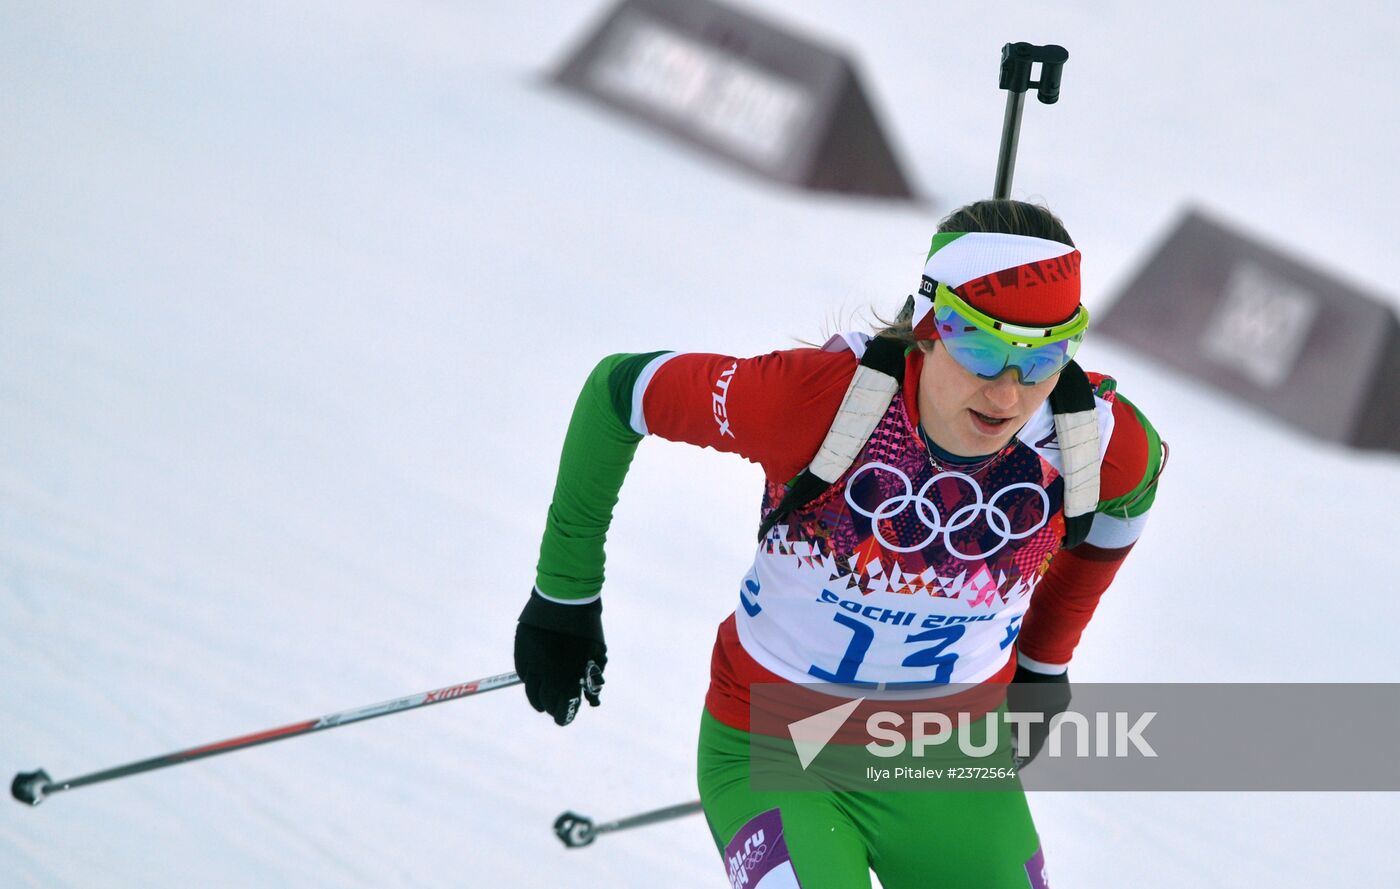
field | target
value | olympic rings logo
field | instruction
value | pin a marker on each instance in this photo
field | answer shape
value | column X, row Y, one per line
column 926, row 511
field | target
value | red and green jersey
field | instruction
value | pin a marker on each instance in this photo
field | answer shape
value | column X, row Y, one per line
column 906, row 573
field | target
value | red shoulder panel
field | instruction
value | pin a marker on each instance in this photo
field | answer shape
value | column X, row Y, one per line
column 1126, row 461
column 773, row 409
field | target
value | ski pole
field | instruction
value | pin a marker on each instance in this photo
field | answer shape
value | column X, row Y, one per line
column 1016, row 61
column 576, row 831
column 32, row 787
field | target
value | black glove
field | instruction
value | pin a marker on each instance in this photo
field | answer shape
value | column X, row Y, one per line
column 560, row 655
column 1032, row 692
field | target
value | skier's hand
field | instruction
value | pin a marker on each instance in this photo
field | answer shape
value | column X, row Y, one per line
column 1032, row 692
column 560, row 655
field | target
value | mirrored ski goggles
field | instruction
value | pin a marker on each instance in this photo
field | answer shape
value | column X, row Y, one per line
column 987, row 347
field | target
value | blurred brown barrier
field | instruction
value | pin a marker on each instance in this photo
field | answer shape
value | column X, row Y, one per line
column 1285, row 336
column 740, row 88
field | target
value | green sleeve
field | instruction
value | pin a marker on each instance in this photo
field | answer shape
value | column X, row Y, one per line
column 598, row 449
column 1139, row 499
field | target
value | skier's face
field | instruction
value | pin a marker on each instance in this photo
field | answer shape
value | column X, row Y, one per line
column 969, row 416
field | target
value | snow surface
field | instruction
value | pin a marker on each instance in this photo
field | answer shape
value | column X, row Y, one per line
column 294, row 303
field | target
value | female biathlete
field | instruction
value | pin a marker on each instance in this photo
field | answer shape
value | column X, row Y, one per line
column 937, row 554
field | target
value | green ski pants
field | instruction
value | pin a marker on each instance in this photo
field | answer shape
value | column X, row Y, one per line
column 775, row 839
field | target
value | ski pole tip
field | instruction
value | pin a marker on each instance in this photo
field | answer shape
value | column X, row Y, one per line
column 574, row 830
column 30, row 787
